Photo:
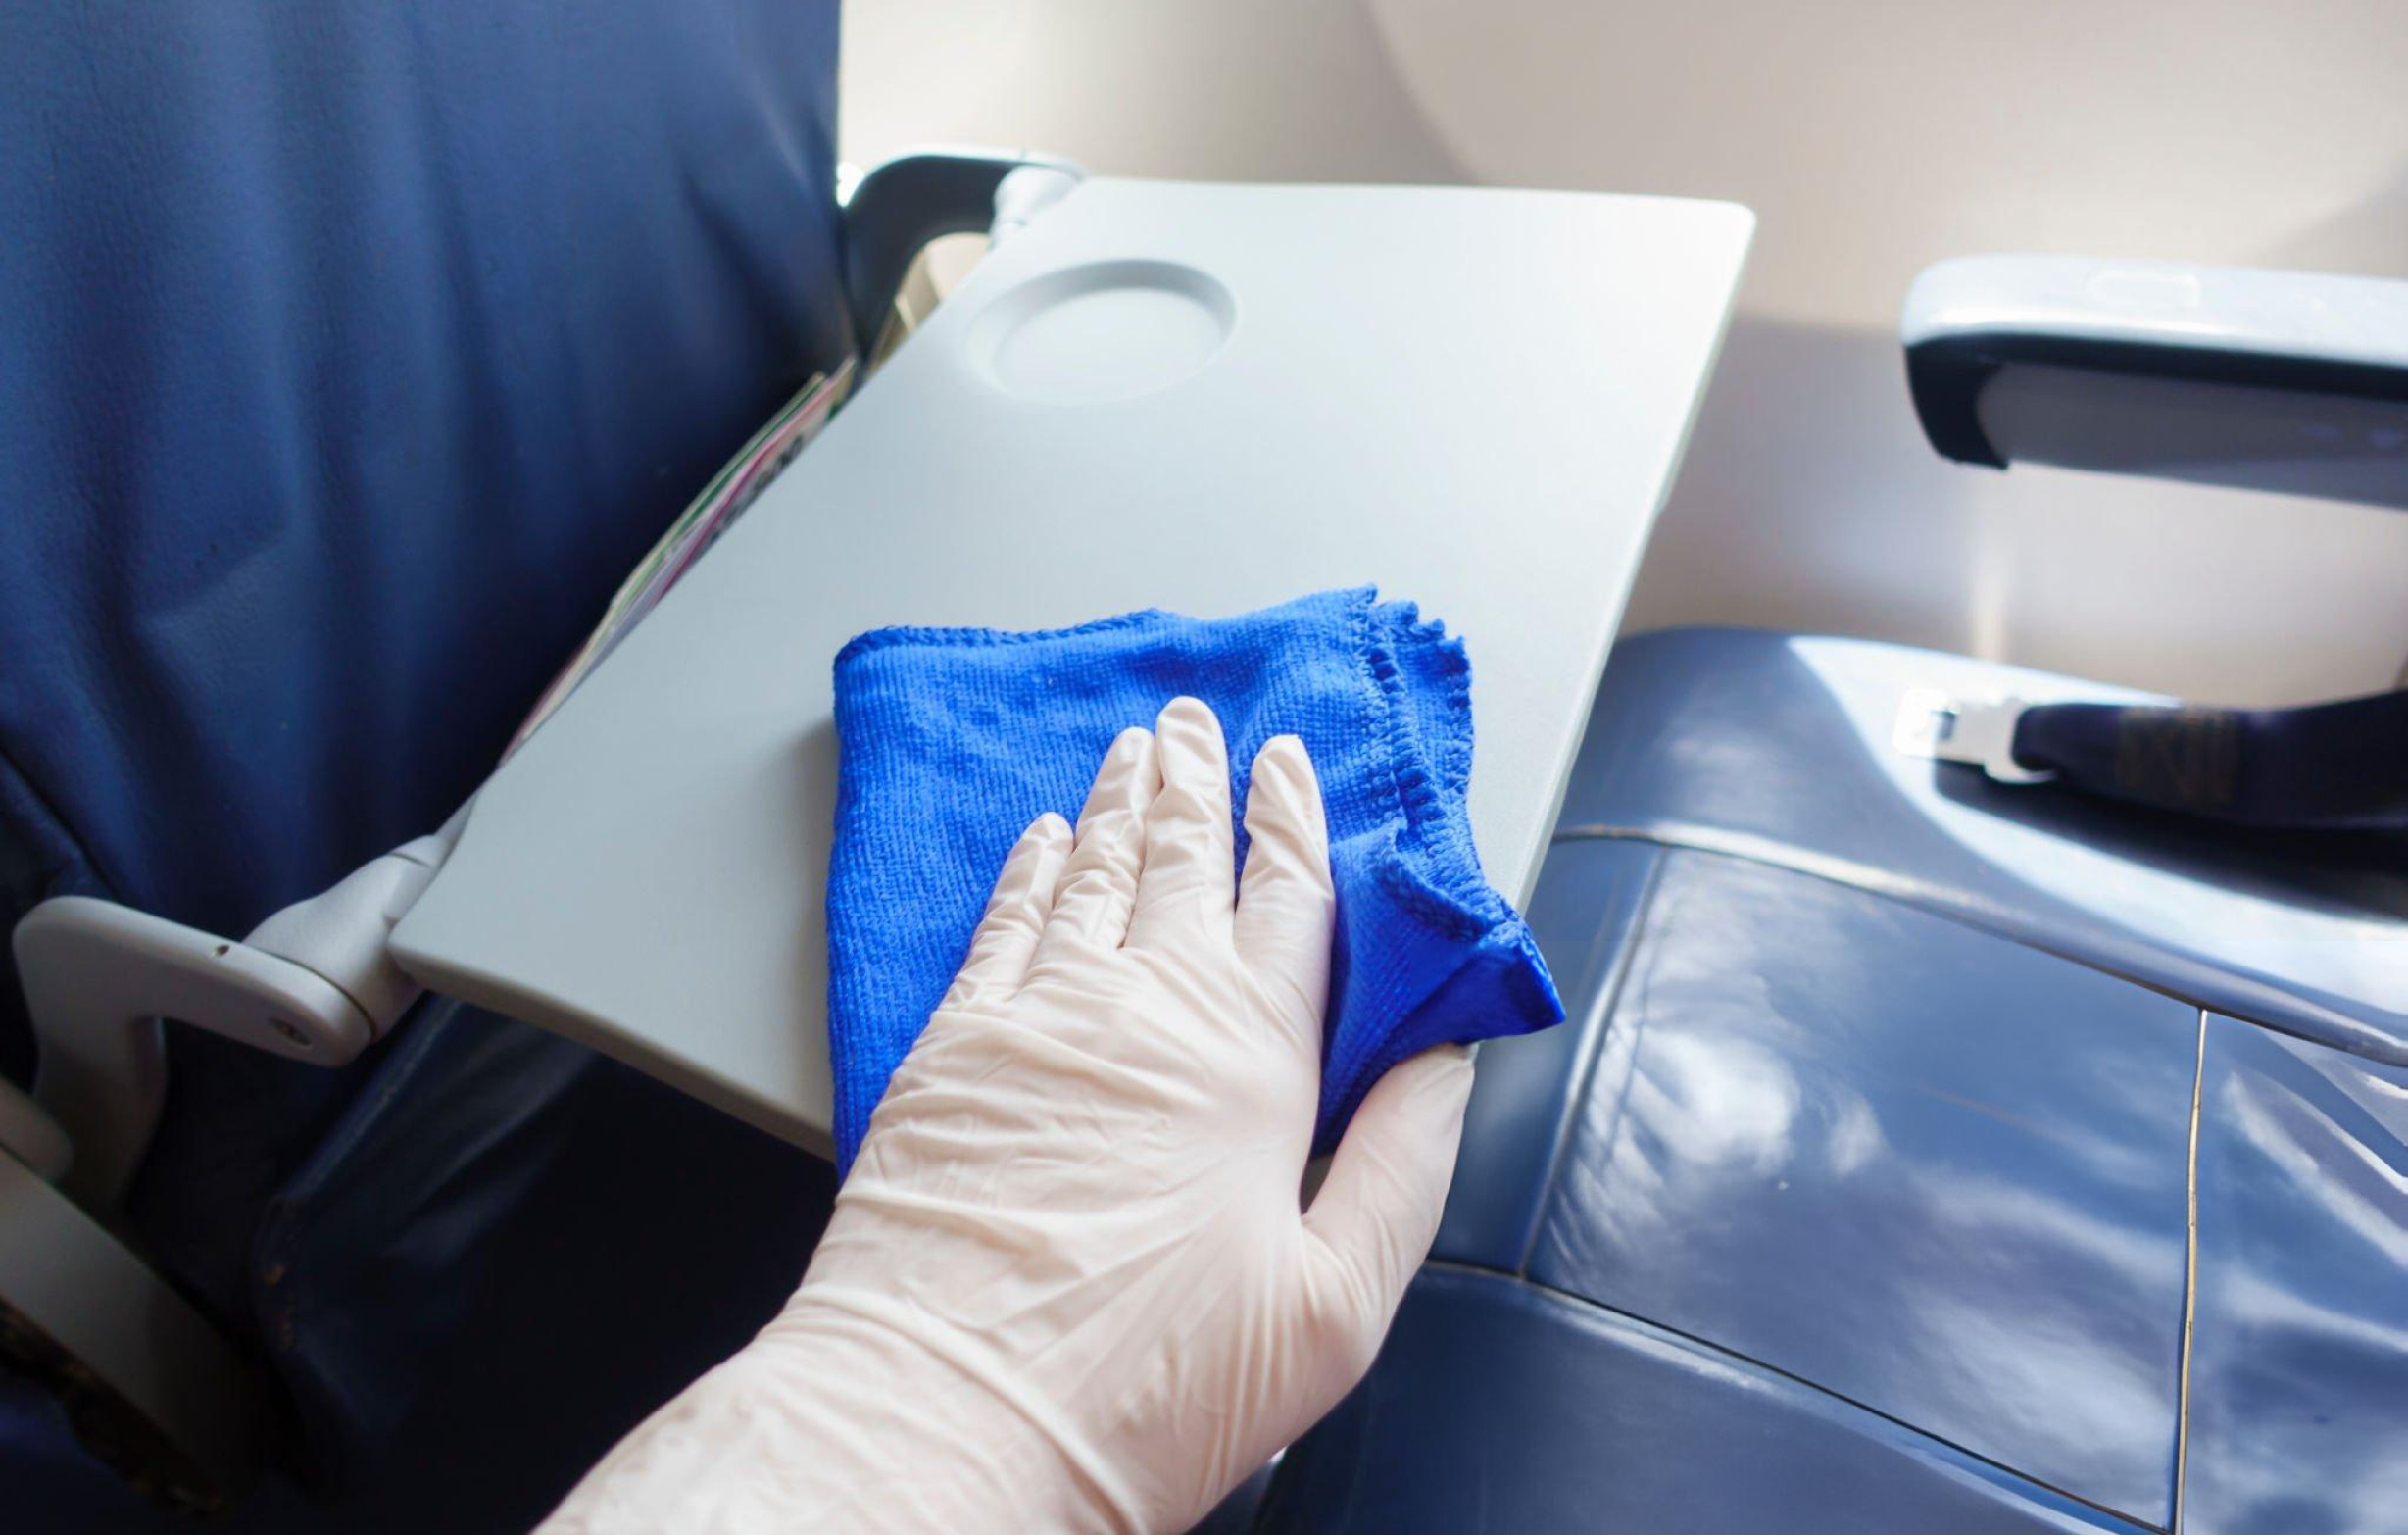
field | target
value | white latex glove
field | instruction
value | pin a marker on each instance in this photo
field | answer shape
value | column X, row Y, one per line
column 1068, row 1284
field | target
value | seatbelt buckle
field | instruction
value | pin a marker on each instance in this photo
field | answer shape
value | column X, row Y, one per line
column 1940, row 727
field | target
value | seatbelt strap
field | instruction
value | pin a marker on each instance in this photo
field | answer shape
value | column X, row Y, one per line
column 2340, row 767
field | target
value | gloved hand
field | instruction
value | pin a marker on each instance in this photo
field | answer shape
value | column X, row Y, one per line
column 1068, row 1284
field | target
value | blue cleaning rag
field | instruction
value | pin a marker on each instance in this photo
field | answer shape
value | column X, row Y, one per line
column 954, row 740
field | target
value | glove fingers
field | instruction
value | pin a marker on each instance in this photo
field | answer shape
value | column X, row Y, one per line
column 1377, row 1212
column 1015, row 915
column 1285, row 903
column 1099, row 883
column 1186, row 892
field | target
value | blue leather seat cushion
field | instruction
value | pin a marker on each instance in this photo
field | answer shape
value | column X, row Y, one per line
column 1929, row 1169
column 2299, row 1340
column 1777, row 748
column 1877, row 1091
column 1500, row 1409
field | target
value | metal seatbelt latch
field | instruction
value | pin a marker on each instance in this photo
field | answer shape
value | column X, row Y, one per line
column 1935, row 725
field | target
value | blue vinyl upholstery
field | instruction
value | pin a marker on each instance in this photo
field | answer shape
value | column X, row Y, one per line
column 352, row 354
column 1874, row 1110
column 1936, row 1174
column 1559, row 1416
column 1777, row 748
column 2299, row 1353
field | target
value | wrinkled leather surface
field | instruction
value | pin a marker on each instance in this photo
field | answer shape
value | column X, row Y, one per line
column 1500, row 1409
column 2299, row 1346
column 1778, row 748
column 1875, row 1100
column 1930, row 1170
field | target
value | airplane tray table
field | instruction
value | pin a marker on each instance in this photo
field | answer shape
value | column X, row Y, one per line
column 1157, row 395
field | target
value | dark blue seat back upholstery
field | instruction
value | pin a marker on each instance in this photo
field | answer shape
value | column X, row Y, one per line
column 350, row 355
column 351, row 352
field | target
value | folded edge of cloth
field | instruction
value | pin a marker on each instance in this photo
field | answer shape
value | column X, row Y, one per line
column 953, row 740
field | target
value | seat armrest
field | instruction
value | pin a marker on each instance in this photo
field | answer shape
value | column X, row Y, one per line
column 2278, row 380
column 906, row 202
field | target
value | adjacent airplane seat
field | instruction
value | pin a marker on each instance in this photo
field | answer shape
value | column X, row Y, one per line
column 1929, row 1151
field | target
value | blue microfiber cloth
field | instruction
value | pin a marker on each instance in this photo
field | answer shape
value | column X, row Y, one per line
column 954, row 740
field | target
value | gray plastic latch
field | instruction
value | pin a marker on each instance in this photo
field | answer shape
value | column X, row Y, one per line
column 314, row 982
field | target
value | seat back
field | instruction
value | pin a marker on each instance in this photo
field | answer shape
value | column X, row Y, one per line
column 352, row 354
